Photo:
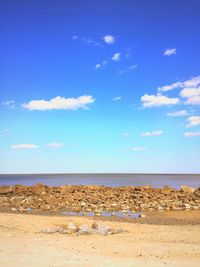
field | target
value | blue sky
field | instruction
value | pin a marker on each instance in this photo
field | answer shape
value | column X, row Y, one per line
column 99, row 86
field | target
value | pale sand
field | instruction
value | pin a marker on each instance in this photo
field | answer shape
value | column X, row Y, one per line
column 143, row 245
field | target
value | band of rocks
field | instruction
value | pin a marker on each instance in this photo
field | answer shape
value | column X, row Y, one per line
column 97, row 198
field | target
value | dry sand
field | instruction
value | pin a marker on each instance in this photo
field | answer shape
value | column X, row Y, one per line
column 21, row 244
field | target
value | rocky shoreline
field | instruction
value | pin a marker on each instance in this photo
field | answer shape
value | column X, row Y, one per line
column 97, row 198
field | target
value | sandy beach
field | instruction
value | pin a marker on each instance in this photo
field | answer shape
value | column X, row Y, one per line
column 142, row 243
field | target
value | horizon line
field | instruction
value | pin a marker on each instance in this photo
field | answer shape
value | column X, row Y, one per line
column 99, row 173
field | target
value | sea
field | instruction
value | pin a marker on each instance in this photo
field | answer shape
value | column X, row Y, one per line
column 105, row 179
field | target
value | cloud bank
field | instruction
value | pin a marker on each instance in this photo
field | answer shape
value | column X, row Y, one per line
column 24, row 146
column 193, row 121
column 191, row 134
column 55, row 145
column 60, row 103
column 178, row 113
column 157, row 100
column 154, row 133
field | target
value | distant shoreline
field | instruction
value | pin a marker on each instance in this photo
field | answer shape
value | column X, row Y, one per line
column 98, row 173
column 106, row 179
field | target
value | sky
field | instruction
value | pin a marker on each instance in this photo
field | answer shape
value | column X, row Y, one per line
column 99, row 86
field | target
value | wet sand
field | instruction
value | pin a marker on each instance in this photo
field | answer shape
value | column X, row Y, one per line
column 160, row 239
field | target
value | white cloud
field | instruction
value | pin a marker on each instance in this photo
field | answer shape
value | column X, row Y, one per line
column 89, row 41
column 9, row 104
column 193, row 82
column 125, row 134
column 170, row 52
column 116, row 57
column 74, row 37
column 130, row 68
column 54, row 145
column 178, row 113
column 193, row 121
column 191, row 134
column 59, row 103
column 109, row 39
column 24, row 146
column 189, row 92
column 194, row 100
column 192, row 95
column 138, row 148
column 117, row 98
column 97, row 66
column 157, row 100
column 154, row 133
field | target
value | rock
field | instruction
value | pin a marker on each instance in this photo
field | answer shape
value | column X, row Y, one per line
column 53, row 230
column 97, row 212
column 6, row 189
column 72, row 228
column 103, row 229
column 94, row 226
column 84, row 230
column 167, row 190
column 97, row 199
column 187, row 206
column 187, row 189
column 38, row 189
column 13, row 209
column 142, row 216
column 124, row 211
column 83, row 204
column 117, row 231
column 21, row 209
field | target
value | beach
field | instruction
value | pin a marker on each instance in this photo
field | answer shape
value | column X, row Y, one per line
column 139, row 244
column 121, row 226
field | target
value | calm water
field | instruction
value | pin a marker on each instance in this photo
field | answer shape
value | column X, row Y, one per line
column 157, row 180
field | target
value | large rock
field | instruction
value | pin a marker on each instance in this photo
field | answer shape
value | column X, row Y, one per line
column 187, row 189
column 38, row 189
column 6, row 189
column 21, row 190
column 85, row 230
column 56, row 229
column 72, row 228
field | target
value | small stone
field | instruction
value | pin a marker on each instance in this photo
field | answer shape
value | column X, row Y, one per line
column 142, row 216
column 187, row 206
column 6, row 189
column 84, row 230
column 124, row 211
column 72, row 228
column 95, row 226
column 117, row 231
column 83, row 204
column 187, row 189
column 14, row 209
column 29, row 210
column 104, row 229
column 97, row 212
column 52, row 230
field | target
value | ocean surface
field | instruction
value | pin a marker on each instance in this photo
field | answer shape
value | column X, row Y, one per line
column 156, row 180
